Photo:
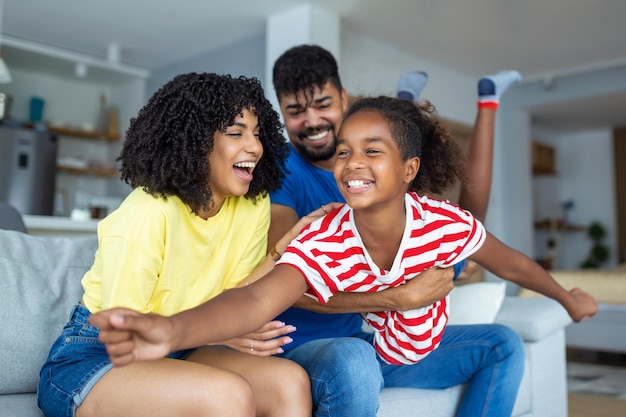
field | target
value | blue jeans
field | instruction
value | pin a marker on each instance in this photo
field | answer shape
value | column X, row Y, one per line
column 76, row 362
column 346, row 375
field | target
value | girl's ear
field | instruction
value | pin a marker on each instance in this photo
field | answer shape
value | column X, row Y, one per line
column 412, row 167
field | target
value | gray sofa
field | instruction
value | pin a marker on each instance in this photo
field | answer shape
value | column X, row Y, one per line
column 40, row 281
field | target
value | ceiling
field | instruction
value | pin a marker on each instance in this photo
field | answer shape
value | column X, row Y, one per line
column 540, row 38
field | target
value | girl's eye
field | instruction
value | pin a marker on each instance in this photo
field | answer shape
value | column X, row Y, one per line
column 372, row 151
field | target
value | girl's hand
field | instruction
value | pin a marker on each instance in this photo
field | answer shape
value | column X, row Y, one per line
column 130, row 336
column 583, row 307
column 266, row 341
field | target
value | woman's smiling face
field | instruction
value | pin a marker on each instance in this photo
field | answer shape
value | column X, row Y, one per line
column 236, row 151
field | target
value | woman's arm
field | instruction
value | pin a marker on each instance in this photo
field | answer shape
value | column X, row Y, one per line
column 514, row 266
column 130, row 336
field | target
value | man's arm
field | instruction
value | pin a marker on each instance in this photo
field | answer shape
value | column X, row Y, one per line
column 283, row 218
column 421, row 291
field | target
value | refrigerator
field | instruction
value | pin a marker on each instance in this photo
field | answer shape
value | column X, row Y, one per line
column 28, row 169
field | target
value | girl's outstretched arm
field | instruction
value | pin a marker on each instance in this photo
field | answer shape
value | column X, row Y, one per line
column 514, row 266
column 130, row 336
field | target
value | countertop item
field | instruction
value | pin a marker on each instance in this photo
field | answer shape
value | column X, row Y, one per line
column 59, row 226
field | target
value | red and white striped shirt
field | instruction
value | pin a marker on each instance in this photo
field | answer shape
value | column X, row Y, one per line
column 330, row 254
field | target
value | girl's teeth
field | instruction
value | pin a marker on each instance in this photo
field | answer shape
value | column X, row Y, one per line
column 245, row 165
column 356, row 183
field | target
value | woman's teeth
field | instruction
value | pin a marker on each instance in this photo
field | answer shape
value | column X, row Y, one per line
column 245, row 164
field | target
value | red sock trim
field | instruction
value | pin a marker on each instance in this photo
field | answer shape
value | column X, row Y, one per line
column 488, row 105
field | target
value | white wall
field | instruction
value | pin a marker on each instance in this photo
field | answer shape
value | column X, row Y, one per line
column 584, row 165
column 511, row 211
column 370, row 67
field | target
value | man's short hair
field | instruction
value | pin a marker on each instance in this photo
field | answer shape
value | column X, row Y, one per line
column 304, row 68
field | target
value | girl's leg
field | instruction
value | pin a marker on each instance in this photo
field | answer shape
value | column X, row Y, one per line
column 475, row 193
column 280, row 387
column 489, row 358
column 168, row 387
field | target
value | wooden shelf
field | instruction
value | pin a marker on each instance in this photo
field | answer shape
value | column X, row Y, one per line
column 97, row 172
column 560, row 226
column 83, row 134
column 543, row 159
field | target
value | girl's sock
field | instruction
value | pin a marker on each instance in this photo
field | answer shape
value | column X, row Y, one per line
column 491, row 87
column 410, row 85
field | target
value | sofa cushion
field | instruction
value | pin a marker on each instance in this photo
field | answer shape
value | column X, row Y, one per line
column 39, row 284
column 476, row 303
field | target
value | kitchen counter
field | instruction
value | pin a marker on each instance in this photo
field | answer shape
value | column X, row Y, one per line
column 59, row 226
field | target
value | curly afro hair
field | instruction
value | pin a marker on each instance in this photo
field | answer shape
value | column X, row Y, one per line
column 418, row 133
column 303, row 68
column 167, row 145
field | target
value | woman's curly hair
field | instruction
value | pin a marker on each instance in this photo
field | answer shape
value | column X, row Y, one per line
column 167, row 145
column 418, row 133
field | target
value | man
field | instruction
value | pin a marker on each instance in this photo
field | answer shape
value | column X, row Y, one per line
column 346, row 376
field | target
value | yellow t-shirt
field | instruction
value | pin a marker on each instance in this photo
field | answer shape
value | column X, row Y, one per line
column 155, row 255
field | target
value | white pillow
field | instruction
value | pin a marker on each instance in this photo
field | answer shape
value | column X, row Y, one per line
column 476, row 303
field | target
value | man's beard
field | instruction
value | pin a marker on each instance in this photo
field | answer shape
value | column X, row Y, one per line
column 313, row 153
column 316, row 154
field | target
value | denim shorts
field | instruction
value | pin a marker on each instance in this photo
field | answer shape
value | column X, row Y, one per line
column 76, row 362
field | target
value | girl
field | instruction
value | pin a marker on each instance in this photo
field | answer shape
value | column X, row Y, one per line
column 385, row 235
column 201, row 157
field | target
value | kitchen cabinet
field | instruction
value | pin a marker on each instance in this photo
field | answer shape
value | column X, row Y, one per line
column 73, row 101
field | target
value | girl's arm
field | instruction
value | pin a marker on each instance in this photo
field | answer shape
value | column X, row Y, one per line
column 130, row 336
column 514, row 266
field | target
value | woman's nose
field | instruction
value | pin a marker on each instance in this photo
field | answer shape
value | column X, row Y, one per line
column 254, row 145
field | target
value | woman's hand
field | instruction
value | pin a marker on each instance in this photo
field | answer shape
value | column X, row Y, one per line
column 266, row 341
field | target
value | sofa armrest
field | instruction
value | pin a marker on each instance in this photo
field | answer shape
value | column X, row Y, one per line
column 532, row 318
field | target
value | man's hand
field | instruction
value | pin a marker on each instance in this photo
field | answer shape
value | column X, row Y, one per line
column 130, row 336
column 266, row 341
column 428, row 287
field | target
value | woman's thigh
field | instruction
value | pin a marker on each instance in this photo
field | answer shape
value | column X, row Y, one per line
column 168, row 387
column 280, row 386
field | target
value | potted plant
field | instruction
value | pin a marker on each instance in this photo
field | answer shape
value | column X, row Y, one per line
column 599, row 252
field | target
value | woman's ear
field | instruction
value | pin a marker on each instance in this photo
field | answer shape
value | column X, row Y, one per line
column 412, row 167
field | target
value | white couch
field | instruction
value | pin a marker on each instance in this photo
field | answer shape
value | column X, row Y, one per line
column 606, row 331
column 40, row 281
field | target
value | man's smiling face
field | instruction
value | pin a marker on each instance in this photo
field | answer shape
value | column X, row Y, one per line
column 312, row 122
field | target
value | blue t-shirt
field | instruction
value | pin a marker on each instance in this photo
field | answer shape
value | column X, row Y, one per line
column 305, row 188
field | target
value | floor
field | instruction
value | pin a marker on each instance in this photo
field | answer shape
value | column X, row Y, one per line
column 596, row 384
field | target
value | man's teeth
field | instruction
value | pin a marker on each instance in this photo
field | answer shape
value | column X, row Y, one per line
column 244, row 164
column 318, row 136
column 356, row 183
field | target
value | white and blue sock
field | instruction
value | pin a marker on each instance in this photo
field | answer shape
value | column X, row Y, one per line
column 491, row 87
column 410, row 85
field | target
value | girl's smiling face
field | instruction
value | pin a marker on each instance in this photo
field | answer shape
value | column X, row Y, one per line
column 369, row 169
column 236, row 151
